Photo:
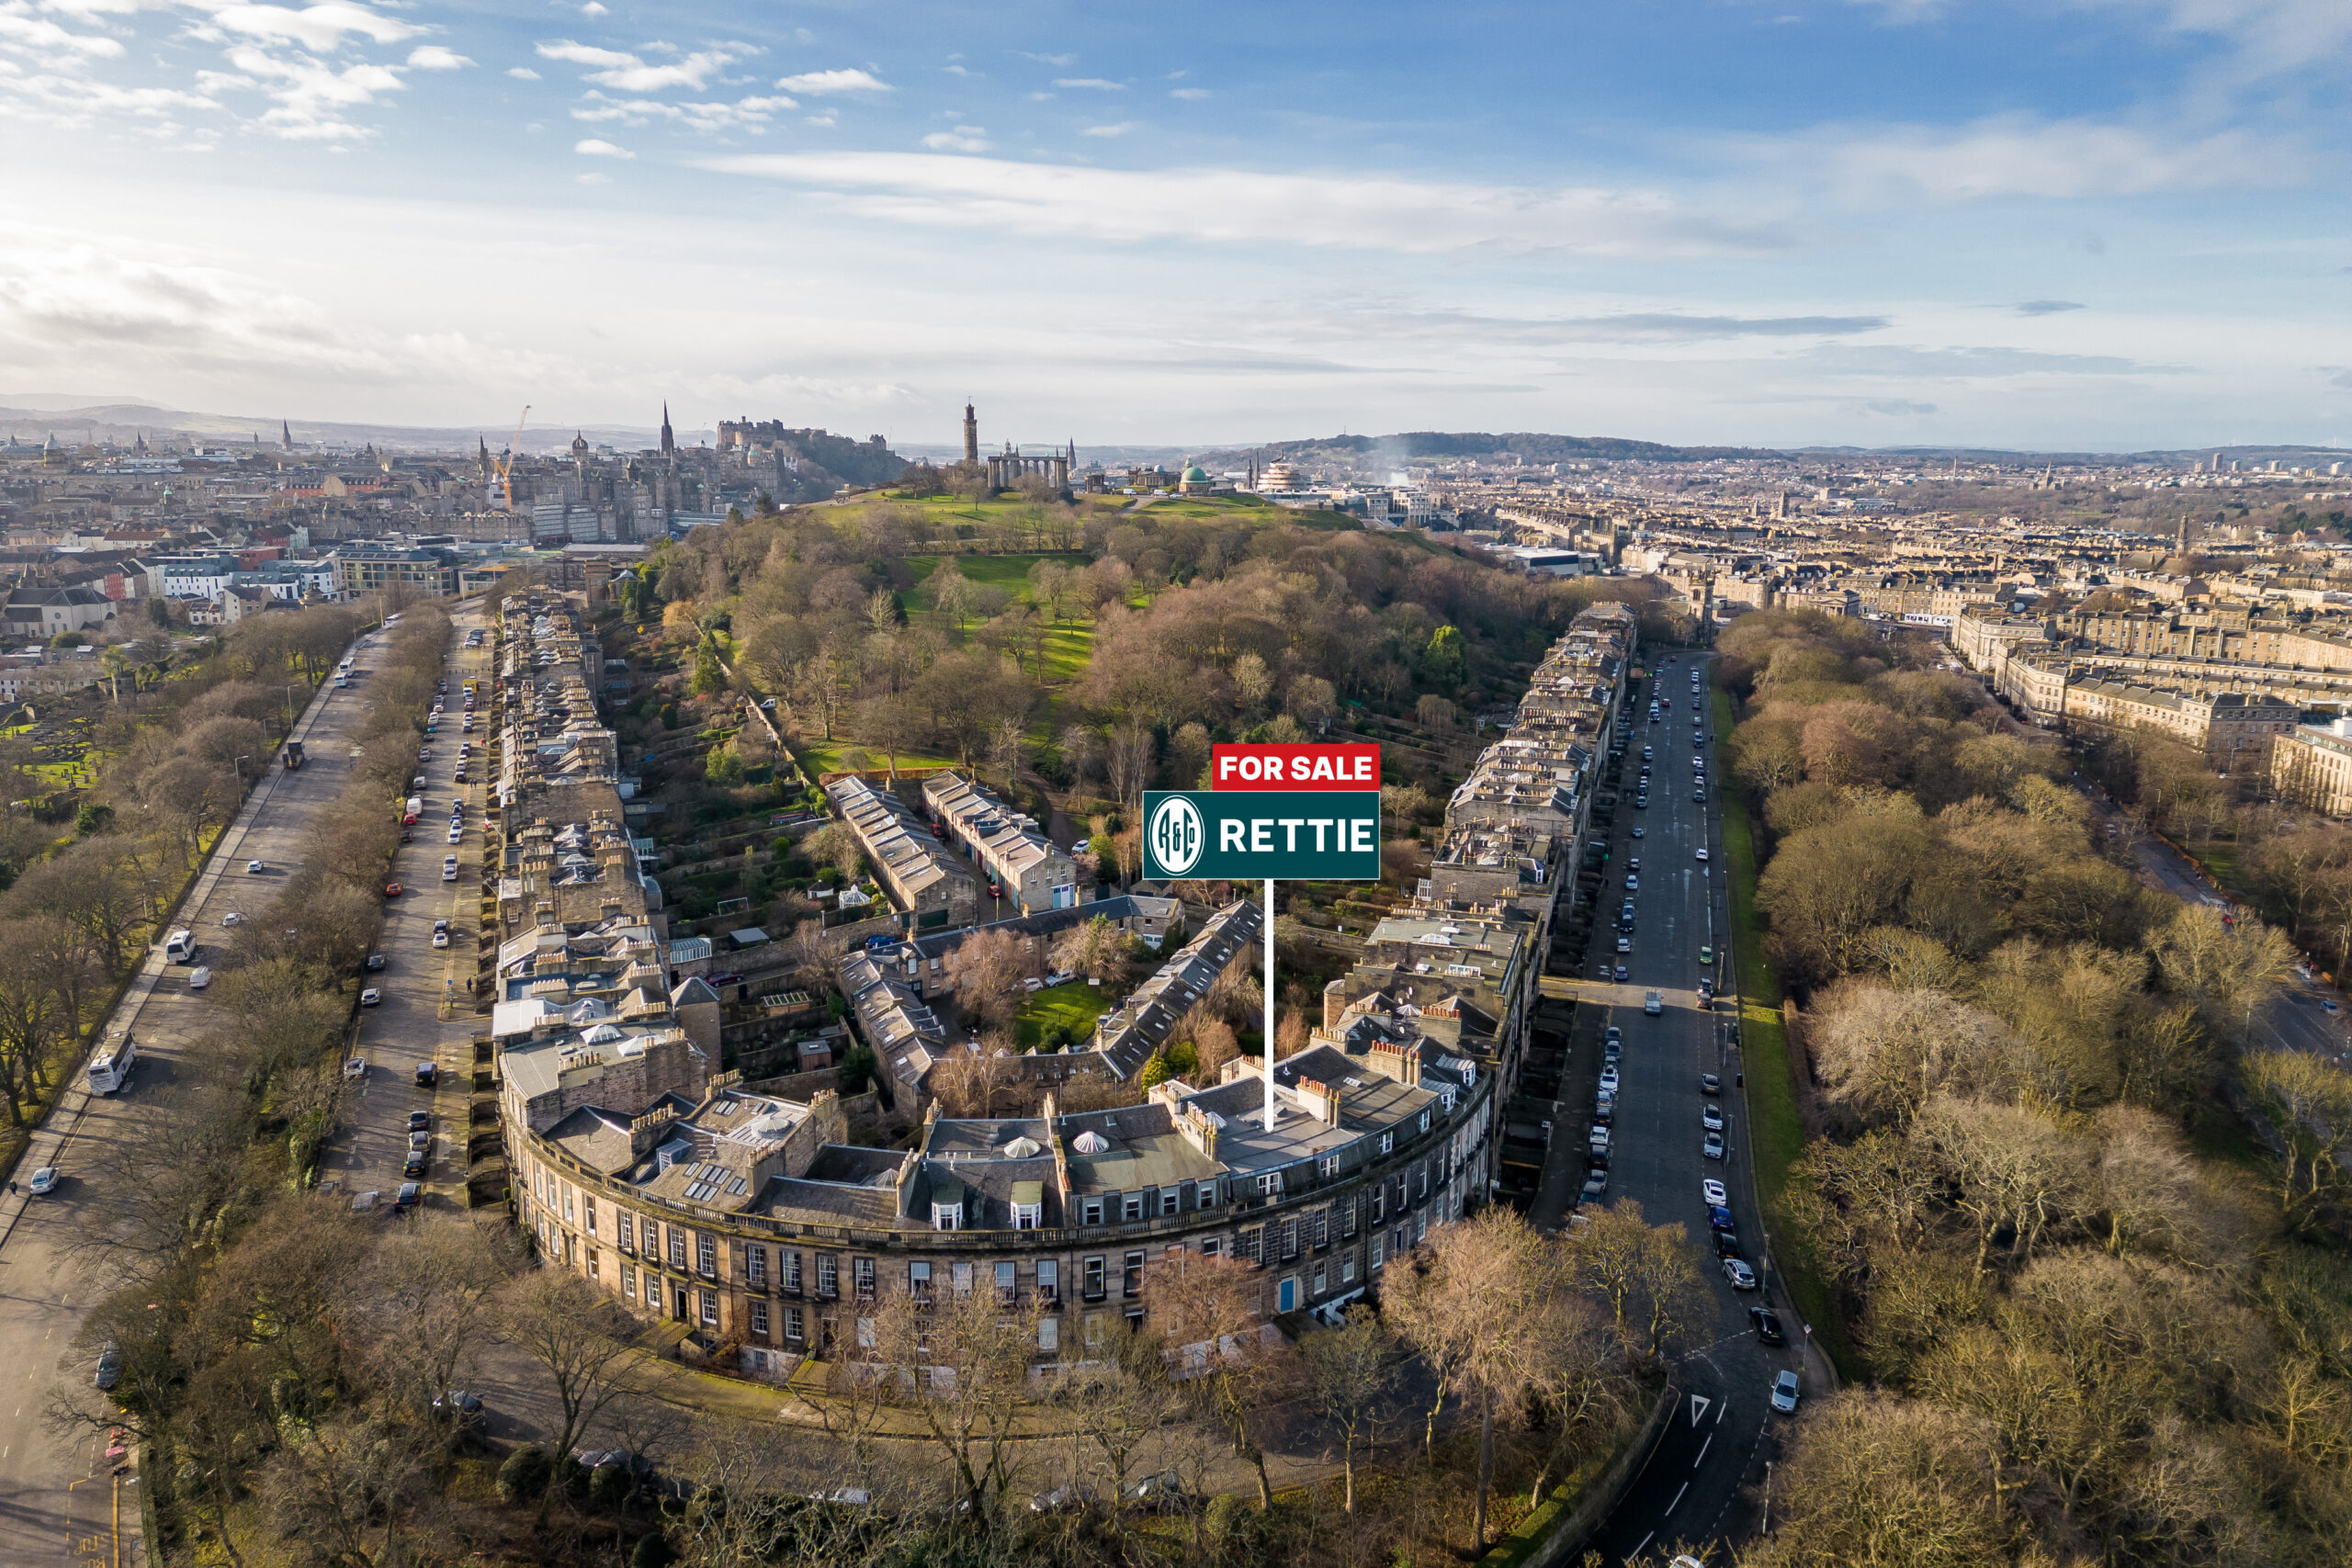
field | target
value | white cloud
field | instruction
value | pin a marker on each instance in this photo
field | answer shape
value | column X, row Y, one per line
column 963, row 139
column 311, row 97
column 745, row 113
column 594, row 177
column 433, row 56
column 1119, row 130
column 1094, row 84
column 594, row 9
column 958, row 71
column 1188, row 93
column 1232, row 206
column 849, row 80
column 522, row 73
column 2018, row 156
column 585, row 54
column 321, row 27
column 593, row 148
column 37, row 35
column 1046, row 59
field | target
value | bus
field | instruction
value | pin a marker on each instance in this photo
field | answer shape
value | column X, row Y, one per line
column 180, row 946
column 112, row 1065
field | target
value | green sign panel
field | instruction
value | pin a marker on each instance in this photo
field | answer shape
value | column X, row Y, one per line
column 1248, row 835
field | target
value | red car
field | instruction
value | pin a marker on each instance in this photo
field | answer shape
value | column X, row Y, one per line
column 391, row 889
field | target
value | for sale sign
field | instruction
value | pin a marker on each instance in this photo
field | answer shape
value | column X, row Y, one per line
column 1293, row 813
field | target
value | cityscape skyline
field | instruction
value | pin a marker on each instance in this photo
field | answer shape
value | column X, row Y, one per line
column 2108, row 228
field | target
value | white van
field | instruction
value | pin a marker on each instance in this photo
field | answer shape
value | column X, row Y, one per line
column 179, row 946
column 198, row 977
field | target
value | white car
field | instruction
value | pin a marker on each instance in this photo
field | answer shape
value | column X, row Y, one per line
column 1713, row 1147
column 1633, row 884
column 1624, row 944
column 1784, row 1391
column 448, row 868
column 233, row 918
column 1710, row 1117
column 1609, row 1080
column 1703, row 854
column 1713, row 1191
column 355, row 1066
column 457, row 835
column 441, row 939
column 44, row 1181
column 371, row 996
column 253, row 868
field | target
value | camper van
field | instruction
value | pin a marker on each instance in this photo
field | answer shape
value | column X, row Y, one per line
column 111, row 1066
column 180, row 946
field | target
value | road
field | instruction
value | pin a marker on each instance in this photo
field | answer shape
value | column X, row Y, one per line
column 60, row 1492
column 426, row 1012
column 1695, row 1484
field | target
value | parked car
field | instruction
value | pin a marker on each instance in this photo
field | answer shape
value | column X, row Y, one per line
column 1710, row 1117
column 1706, row 955
column 1718, row 1216
column 110, row 1365
column 1714, row 1146
column 1710, row 1084
column 1609, row 1080
column 1638, row 831
column 1768, row 1325
column 408, row 1197
column 1654, row 1004
column 1621, row 976
column 413, row 1166
column 466, row 1409
column 1784, row 1391
column 1163, row 1492
column 375, row 961
column 199, row 977
column 1727, row 1243
column 371, row 996
column 1060, row 1500
column 355, row 1066
column 441, row 938
column 253, row 868
column 1713, row 1191
column 1703, row 851
column 418, row 1120
column 427, row 1075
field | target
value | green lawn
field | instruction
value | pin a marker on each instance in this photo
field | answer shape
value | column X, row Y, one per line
column 818, row 757
column 1776, row 1133
column 1075, row 1006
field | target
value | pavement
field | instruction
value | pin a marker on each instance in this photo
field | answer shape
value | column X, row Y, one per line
column 1695, row 1483
column 60, row 1492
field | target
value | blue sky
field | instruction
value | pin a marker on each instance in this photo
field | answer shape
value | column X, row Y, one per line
column 2077, row 223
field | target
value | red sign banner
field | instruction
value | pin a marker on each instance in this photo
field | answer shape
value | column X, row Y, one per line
column 1295, row 767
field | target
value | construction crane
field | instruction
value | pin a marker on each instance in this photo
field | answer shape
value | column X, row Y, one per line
column 505, row 466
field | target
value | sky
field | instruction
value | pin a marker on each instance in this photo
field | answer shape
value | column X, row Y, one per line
column 2048, row 225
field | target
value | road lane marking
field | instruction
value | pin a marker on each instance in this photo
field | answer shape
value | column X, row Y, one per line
column 1671, row 1506
column 1702, row 1453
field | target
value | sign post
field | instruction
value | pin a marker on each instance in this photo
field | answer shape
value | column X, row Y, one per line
column 1278, row 812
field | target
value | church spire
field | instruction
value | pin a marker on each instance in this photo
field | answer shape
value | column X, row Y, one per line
column 285, row 436
column 669, row 441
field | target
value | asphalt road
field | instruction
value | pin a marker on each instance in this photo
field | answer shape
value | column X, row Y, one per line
column 1696, row 1481
column 426, row 1010
column 58, row 1494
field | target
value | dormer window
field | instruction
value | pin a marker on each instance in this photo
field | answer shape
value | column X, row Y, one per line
column 947, row 1217
column 1425, row 1121
column 1028, row 1216
column 1387, row 1143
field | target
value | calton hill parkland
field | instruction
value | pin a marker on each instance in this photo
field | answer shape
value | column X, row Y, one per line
column 834, row 1150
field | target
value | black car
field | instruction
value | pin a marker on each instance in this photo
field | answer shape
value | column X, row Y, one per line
column 374, row 961
column 1710, row 1084
column 1727, row 1245
column 413, row 1166
column 420, row 1121
column 409, row 1196
column 1768, row 1325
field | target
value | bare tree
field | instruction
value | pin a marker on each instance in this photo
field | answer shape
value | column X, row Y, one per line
column 956, row 1357
column 583, row 1341
column 1350, row 1371
column 1233, row 1365
column 1485, row 1301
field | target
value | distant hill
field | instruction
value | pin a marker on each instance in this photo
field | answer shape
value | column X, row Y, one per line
column 1528, row 445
